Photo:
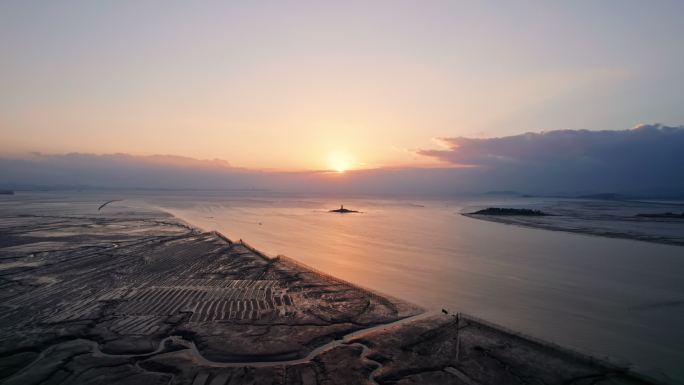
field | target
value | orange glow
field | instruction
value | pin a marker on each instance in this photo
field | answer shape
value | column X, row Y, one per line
column 340, row 162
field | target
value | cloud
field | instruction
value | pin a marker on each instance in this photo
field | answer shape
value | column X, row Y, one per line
column 111, row 170
column 647, row 157
column 124, row 160
column 563, row 145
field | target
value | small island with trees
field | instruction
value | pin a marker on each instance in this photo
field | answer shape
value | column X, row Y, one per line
column 510, row 211
column 663, row 215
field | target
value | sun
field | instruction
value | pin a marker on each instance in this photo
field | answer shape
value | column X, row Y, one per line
column 340, row 162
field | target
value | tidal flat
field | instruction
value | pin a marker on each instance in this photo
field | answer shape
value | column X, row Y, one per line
column 126, row 295
column 649, row 221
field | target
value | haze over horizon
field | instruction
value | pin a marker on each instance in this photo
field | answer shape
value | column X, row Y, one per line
column 646, row 160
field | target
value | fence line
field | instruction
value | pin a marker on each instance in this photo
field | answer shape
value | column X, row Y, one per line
column 220, row 235
column 245, row 245
column 259, row 253
column 337, row 280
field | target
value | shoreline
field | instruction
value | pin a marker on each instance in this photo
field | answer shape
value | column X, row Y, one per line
column 582, row 231
column 301, row 265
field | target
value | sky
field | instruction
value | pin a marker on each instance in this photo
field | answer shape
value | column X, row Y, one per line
column 281, row 86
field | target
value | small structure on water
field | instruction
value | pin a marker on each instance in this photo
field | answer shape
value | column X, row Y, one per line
column 342, row 210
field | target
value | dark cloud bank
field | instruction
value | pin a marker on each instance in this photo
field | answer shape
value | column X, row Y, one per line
column 646, row 160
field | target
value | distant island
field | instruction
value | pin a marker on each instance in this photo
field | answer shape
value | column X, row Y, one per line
column 603, row 196
column 6, row 192
column 592, row 218
column 662, row 215
column 503, row 192
column 342, row 210
column 510, row 211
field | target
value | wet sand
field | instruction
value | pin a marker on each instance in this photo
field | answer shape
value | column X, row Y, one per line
column 133, row 296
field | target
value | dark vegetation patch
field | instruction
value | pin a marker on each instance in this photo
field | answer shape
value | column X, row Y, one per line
column 663, row 215
column 511, row 211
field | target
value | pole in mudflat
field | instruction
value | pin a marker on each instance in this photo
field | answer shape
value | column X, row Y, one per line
column 458, row 347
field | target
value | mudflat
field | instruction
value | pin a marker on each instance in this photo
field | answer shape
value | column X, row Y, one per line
column 96, row 294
